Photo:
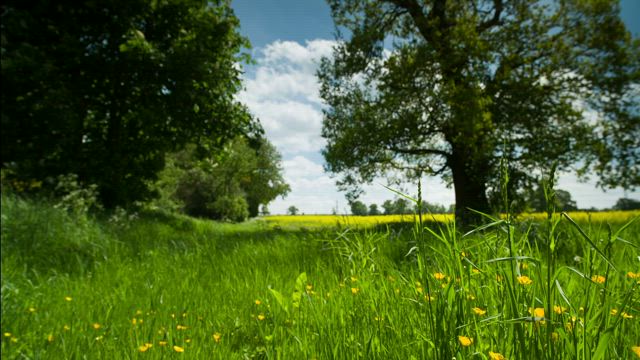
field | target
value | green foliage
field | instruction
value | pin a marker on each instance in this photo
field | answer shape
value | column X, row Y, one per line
column 258, row 290
column 464, row 84
column 627, row 204
column 292, row 210
column 230, row 185
column 358, row 208
column 104, row 89
column 373, row 210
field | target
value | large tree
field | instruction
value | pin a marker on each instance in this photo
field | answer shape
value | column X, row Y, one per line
column 451, row 87
column 104, row 89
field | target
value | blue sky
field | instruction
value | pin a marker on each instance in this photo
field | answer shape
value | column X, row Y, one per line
column 288, row 39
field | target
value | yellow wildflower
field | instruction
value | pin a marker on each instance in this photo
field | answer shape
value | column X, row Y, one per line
column 465, row 341
column 162, row 343
column 66, row 328
column 354, row 291
column 599, row 279
column 559, row 309
column 471, row 297
column 68, row 298
column 524, row 266
column 145, row 347
column 261, row 317
column 524, row 280
column 439, row 276
column 50, row 338
column 181, row 327
column 626, row 316
column 216, row 337
column 96, row 326
column 475, row 271
column 537, row 312
column 354, row 279
column 309, row 287
column 636, row 350
column 478, row 311
column 496, row 356
column 555, row 336
column 14, row 339
column 134, row 321
column 614, row 312
column 258, row 302
column 177, row 348
column 187, row 340
column 139, row 312
column 7, row 334
column 32, row 309
column 98, row 338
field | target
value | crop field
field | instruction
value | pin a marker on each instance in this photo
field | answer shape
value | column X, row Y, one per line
column 159, row 286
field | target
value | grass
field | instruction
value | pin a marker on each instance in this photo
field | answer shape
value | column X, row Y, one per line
column 168, row 286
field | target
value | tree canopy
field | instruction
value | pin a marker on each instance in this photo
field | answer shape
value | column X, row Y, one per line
column 104, row 89
column 448, row 88
column 229, row 185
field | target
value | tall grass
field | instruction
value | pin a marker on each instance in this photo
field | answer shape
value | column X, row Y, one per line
column 526, row 289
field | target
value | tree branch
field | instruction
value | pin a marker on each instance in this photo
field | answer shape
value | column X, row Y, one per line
column 419, row 151
column 495, row 20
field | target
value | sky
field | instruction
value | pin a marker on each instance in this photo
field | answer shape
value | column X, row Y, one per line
column 288, row 38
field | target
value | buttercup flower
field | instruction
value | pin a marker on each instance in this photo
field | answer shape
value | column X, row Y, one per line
column 524, row 280
column 496, row 356
column 465, row 341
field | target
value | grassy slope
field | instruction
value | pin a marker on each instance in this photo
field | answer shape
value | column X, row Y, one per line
column 361, row 295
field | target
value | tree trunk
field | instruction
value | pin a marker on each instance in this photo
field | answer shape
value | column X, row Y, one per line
column 470, row 185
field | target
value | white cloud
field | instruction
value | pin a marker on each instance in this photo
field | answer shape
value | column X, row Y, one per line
column 283, row 92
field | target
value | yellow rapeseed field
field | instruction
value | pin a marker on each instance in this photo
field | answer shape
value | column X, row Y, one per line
column 371, row 221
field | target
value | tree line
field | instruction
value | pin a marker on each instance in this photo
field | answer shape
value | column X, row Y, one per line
column 135, row 99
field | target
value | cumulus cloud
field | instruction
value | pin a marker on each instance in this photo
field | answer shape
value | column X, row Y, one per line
column 283, row 92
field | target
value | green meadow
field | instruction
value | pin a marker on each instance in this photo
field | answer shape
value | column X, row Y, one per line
column 159, row 286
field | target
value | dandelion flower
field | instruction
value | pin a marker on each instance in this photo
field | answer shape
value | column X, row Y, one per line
column 636, row 350
column 96, row 326
column 177, row 348
column 496, row 356
column 261, row 317
column 465, row 341
column 439, row 276
column 614, row 312
column 354, row 291
column 632, row 275
column 524, row 280
column 626, row 316
column 7, row 334
column 478, row 311
column 216, row 337
column 145, row 347
column 258, row 302
column 599, row 279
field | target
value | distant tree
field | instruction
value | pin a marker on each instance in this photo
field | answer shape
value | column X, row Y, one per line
column 564, row 202
column 627, row 204
column 428, row 207
column 247, row 174
column 358, row 208
column 464, row 84
column 373, row 210
column 264, row 210
column 389, row 207
column 292, row 210
column 104, row 89
column 401, row 206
